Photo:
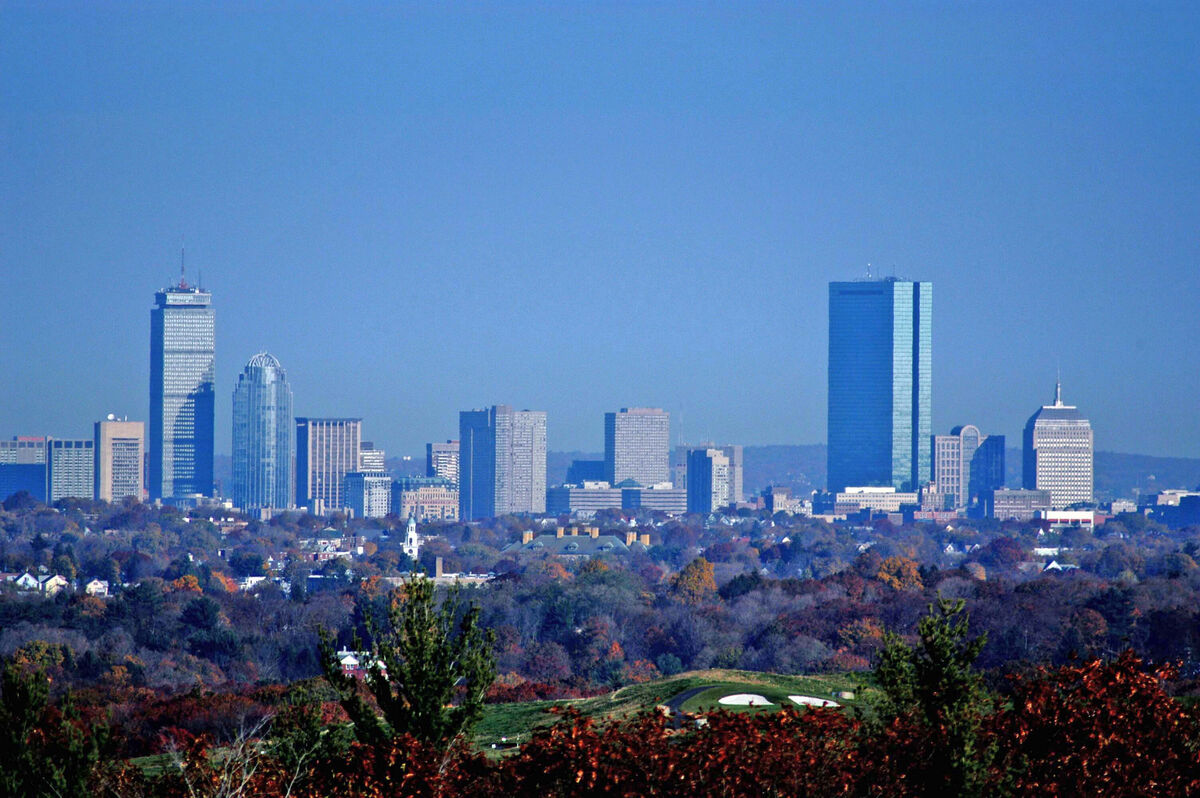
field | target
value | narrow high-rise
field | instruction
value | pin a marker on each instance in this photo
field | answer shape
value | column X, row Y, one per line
column 262, row 437
column 502, row 462
column 637, row 446
column 182, row 354
column 880, row 384
column 327, row 449
column 1058, row 453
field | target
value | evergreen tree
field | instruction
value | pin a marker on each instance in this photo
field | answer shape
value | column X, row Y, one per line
column 936, row 686
column 429, row 668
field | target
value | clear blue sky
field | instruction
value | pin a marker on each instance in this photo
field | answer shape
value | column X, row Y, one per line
column 576, row 207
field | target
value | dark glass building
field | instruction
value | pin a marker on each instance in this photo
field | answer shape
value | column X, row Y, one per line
column 262, row 436
column 880, row 383
column 182, row 352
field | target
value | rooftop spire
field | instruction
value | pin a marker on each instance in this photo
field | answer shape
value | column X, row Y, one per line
column 1058, row 392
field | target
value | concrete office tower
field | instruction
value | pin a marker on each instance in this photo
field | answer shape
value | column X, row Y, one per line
column 182, row 347
column 880, row 383
column 637, row 446
column 441, row 460
column 70, row 469
column 966, row 465
column 119, row 446
column 262, row 437
column 502, row 462
column 708, row 483
column 368, row 493
column 327, row 449
column 1058, row 453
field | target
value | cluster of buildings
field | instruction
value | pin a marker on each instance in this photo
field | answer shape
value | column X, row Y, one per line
column 883, row 455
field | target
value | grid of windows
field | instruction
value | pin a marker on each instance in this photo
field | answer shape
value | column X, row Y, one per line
column 637, row 446
column 182, row 356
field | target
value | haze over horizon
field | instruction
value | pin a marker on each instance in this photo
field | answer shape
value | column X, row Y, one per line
column 421, row 211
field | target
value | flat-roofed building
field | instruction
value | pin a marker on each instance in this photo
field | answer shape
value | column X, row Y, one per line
column 119, row 447
column 502, row 462
column 327, row 449
column 441, row 460
column 880, row 499
column 637, row 445
column 1016, row 505
column 371, row 458
column 368, row 494
column 585, row 499
column 70, row 469
column 425, row 499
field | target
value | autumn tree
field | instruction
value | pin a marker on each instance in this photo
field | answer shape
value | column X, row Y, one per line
column 695, row 584
column 935, row 685
column 430, row 666
column 900, row 573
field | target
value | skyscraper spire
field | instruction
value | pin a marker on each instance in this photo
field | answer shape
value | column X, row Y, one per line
column 1058, row 392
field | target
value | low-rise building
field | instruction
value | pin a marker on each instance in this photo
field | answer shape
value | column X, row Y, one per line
column 425, row 498
column 1015, row 505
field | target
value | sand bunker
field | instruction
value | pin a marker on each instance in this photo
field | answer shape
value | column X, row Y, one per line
column 812, row 701
column 744, row 700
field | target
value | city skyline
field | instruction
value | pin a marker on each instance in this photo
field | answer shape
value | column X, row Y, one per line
column 683, row 185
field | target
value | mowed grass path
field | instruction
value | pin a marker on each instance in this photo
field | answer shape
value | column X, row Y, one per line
column 508, row 724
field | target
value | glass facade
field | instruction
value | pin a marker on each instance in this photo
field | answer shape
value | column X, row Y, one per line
column 182, row 353
column 880, row 384
column 262, row 436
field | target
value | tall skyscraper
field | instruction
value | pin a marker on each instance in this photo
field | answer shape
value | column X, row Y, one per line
column 70, row 469
column 502, row 462
column 262, row 436
column 708, row 482
column 182, row 348
column 441, row 460
column 327, row 449
column 119, row 446
column 1058, row 453
column 637, row 446
column 880, row 383
column 966, row 465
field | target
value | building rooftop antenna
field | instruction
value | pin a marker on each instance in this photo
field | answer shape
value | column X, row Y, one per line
column 182, row 267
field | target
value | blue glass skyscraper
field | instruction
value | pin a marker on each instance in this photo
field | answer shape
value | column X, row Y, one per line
column 182, row 353
column 880, row 383
column 262, row 436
